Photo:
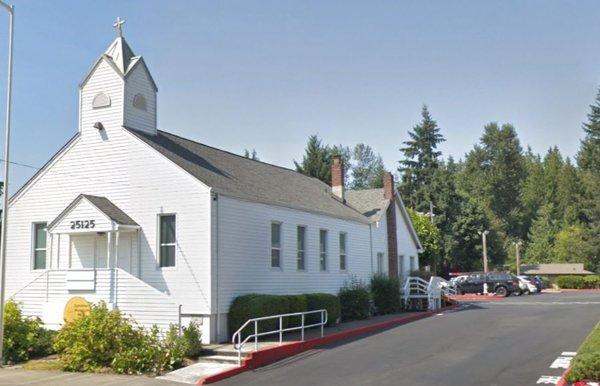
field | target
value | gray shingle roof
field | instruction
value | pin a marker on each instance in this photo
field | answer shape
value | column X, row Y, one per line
column 111, row 210
column 103, row 204
column 370, row 202
column 555, row 269
column 236, row 176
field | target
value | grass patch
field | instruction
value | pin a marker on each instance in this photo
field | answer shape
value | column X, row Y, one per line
column 43, row 364
column 586, row 364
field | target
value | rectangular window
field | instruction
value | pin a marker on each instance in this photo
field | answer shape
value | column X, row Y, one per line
column 275, row 245
column 413, row 266
column 323, row 249
column 379, row 262
column 167, row 240
column 342, row 251
column 39, row 246
column 301, row 247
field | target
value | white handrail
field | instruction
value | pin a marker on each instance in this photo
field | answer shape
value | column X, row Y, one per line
column 238, row 334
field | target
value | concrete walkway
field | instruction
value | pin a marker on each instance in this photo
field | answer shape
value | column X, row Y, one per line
column 17, row 376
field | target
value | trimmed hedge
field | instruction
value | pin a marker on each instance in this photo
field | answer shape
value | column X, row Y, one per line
column 355, row 300
column 586, row 364
column 331, row 303
column 258, row 305
column 578, row 282
column 386, row 294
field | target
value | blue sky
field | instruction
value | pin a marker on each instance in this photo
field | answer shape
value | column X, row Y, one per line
column 267, row 74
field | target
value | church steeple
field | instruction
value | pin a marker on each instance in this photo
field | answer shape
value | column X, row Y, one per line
column 118, row 91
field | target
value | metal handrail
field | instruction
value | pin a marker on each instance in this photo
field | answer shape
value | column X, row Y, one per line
column 238, row 334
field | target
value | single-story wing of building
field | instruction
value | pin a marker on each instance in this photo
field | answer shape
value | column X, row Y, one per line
column 167, row 229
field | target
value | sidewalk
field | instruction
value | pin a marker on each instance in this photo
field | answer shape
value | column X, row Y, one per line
column 16, row 376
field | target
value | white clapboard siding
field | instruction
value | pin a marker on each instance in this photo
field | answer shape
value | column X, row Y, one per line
column 138, row 82
column 245, row 251
column 380, row 243
column 143, row 184
column 134, row 298
column 103, row 79
column 406, row 245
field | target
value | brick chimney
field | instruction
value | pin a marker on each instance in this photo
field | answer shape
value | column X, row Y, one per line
column 388, row 185
column 388, row 194
column 337, row 176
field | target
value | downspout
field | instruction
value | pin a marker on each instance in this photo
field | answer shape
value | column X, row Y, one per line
column 371, row 245
column 217, row 266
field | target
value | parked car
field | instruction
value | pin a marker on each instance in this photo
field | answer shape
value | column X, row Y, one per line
column 500, row 283
column 538, row 282
column 526, row 285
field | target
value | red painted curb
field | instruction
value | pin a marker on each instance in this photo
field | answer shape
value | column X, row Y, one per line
column 273, row 354
column 562, row 381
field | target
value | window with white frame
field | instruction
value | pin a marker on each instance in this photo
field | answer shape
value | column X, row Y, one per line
column 301, row 248
column 413, row 265
column 39, row 245
column 275, row 245
column 323, row 249
column 343, row 237
column 167, row 240
column 379, row 262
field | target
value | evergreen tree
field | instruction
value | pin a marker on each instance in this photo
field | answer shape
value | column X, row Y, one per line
column 589, row 153
column 316, row 161
column 493, row 176
column 368, row 168
column 541, row 236
column 421, row 159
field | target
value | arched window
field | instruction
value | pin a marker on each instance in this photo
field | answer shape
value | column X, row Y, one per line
column 101, row 100
column 139, row 102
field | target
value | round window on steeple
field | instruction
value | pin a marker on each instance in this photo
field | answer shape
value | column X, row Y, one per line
column 139, row 102
column 101, row 100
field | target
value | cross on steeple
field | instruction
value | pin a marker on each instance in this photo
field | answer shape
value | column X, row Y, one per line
column 118, row 25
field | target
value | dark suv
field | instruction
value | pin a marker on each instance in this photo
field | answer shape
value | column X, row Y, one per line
column 500, row 283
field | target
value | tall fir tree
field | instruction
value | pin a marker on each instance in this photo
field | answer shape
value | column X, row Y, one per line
column 316, row 161
column 420, row 161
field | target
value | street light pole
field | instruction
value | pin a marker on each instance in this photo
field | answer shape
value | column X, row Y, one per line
column 485, row 259
column 4, row 229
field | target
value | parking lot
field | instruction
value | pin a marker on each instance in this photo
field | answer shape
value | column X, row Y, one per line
column 514, row 341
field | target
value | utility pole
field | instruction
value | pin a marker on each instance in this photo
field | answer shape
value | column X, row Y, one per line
column 518, row 250
column 11, row 11
column 485, row 259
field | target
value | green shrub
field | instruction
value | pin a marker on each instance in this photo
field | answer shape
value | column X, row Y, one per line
column 423, row 274
column 578, row 282
column 586, row 364
column 570, row 282
column 106, row 339
column 296, row 303
column 254, row 306
column 386, row 294
column 193, row 338
column 592, row 281
column 24, row 338
column 355, row 300
column 319, row 301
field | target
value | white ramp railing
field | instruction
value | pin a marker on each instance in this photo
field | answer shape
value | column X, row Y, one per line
column 238, row 343
column 432, row 290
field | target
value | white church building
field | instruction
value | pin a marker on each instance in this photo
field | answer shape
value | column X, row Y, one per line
column 168, row 229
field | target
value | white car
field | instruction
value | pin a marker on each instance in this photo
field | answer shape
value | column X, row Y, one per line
column 526, row 286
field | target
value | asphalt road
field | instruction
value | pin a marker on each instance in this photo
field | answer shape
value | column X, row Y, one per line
column 509, row 342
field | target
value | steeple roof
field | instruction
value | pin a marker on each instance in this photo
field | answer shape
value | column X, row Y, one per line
column 121, row 54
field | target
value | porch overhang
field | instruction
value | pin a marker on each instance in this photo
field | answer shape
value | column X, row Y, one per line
column 91, row 214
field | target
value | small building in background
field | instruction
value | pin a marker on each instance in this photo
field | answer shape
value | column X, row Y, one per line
column 554, row 270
